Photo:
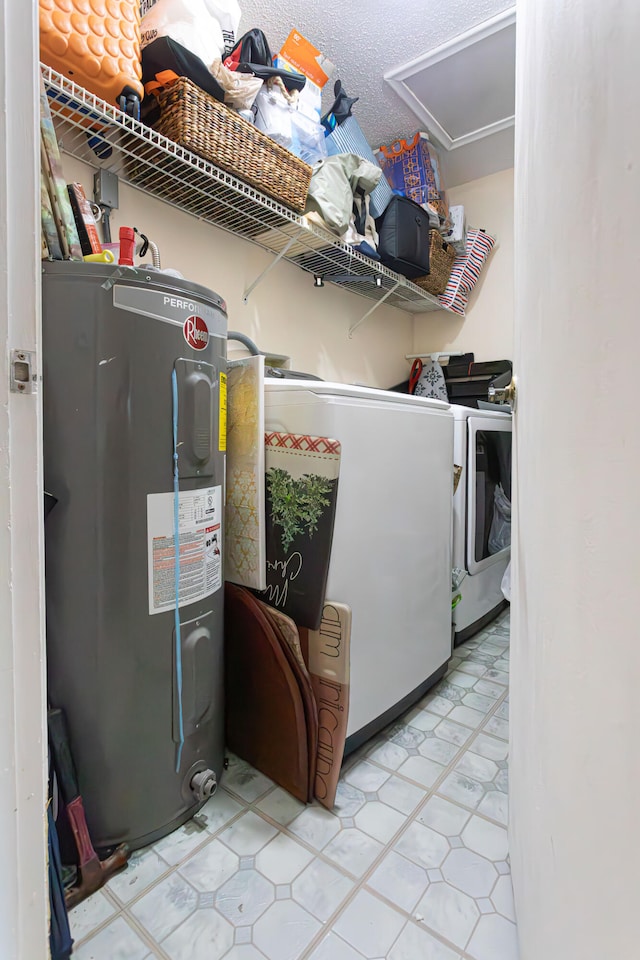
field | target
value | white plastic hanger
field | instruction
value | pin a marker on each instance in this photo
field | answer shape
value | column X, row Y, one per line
column 434, row 356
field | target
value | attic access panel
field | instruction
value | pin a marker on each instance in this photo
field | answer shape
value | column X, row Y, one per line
column 464, row 90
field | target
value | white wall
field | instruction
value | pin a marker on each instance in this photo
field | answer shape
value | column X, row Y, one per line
column 285, row 314
column 575, row 705
column 487, row 330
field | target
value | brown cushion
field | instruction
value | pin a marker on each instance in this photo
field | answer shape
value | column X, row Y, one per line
column 288, row 632
column 265, row 713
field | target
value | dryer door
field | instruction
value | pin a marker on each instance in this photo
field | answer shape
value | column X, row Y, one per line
column 488, row 489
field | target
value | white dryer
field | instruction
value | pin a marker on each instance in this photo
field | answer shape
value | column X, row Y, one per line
column 391, row 553
column 482, row 448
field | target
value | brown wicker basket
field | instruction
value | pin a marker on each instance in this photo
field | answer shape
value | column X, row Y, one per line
column 198, row 122
column 441, row 257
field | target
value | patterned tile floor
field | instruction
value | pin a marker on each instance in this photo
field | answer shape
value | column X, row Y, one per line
column 411, row 865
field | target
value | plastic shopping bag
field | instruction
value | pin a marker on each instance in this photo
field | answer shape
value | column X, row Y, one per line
column 227, row 13
column 189, row 22
column 273, row 109
column 308, row 138
column 500, row 533
column 277, row 115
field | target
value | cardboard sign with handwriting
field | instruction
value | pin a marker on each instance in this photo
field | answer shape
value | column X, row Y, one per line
column 301, row 495
column 329, row 670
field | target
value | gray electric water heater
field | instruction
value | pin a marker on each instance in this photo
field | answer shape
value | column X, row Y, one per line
column 125, row 352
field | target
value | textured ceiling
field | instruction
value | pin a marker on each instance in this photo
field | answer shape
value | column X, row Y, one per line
column 366, row 38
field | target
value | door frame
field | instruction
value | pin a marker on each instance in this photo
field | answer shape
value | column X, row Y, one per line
column 23, row 740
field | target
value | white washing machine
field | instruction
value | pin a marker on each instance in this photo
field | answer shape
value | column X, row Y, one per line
column 482, row 447
column 391, row 553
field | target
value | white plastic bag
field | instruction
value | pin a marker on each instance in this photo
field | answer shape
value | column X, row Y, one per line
column 308, row 140
column 500, row 532
column 277, row 115
column 188, row 22
column 227, row 13
column 273, row 112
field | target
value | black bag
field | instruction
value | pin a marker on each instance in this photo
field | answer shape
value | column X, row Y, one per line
column 165, row 59
column 252, row 54
column 404, row 237
column 252, row 47
column 291, row 81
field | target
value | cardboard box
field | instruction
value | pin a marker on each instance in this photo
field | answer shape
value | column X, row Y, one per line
column 307, row 59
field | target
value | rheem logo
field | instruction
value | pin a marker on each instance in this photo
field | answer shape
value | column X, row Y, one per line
column 196, row 332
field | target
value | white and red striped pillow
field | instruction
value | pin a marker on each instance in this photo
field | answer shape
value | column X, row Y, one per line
column 466, row 271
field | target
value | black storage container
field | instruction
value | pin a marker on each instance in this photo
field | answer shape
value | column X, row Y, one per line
column 467, row 382
column 404, row 238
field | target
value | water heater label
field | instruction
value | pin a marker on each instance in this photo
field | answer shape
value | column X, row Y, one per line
column 200, row 516
column 196, row 332
column 222, row 432
column 148, row 302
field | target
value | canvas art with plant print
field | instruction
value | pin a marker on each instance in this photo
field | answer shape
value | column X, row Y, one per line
column 301, row 481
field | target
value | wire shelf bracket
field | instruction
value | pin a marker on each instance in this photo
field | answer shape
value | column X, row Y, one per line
column 354, row 327
column 276, row 260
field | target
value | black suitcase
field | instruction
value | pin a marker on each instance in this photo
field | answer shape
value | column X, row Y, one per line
column 403, row 229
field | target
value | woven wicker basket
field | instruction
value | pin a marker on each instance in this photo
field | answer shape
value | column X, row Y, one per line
column 441, row 257
column 198, row 122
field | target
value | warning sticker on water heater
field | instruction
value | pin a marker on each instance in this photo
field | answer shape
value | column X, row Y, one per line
column 200, row 514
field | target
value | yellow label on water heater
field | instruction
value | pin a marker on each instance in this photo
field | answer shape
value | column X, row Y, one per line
column 222, row 431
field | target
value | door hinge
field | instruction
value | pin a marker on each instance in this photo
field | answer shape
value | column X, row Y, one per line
column 23, row 375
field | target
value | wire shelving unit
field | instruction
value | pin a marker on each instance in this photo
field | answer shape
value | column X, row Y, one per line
column 99, row 134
